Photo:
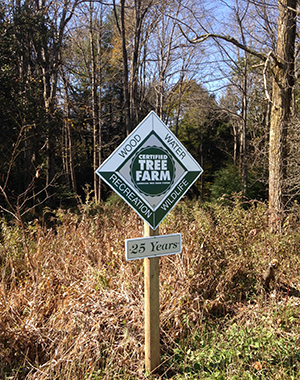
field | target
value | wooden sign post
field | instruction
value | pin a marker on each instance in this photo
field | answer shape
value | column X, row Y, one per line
column 151, row 170
column 151, row 289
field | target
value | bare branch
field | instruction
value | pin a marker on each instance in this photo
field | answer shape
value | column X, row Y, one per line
column 13, row 213
column 232, row 40
column 265, row 77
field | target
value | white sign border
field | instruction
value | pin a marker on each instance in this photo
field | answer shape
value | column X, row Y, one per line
column 154, row 124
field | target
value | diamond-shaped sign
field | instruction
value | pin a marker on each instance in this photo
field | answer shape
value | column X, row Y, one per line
column 151, row 170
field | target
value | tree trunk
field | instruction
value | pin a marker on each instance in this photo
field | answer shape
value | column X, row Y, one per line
column 99, row 76
column 94, row 86
column 128, row 125
column 131, row 66
column 283, row 83
column 67, row 152
column 244, row 169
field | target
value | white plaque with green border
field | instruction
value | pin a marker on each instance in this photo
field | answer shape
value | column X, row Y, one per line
column 151, row 170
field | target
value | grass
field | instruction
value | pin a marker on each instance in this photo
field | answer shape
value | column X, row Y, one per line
column 260, row 350
column 71, row 307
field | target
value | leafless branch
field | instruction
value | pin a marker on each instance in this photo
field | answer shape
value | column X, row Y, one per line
column 265, row 77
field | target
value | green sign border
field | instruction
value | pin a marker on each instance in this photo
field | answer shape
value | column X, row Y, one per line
column 133, row 198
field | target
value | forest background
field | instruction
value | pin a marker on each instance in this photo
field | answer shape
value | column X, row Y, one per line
column 77, row 77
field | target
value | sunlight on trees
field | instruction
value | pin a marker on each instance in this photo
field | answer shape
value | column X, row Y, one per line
column 76, row 78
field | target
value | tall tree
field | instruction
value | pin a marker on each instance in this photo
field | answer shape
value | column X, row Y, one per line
column 22, row 109
column 67, row 140
column 48, row 21
column 283, row 83
column 130, row 19
column 95, row 38
column 93, row 60
column 204, row 131
column 281, row 63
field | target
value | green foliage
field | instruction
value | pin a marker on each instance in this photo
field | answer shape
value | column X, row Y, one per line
column 239, row 352
column 24, row 123
column 227, row 182
column 205, row 133
column 114, row 199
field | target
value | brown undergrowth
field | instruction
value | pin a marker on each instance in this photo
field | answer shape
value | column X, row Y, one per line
column 80, row 314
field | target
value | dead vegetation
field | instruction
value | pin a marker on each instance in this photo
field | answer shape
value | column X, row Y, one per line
column 80, row 315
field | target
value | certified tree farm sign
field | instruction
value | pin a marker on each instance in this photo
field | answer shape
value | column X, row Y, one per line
column 151, row 170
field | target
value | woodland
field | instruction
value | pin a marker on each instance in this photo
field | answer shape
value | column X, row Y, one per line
column 76, row 78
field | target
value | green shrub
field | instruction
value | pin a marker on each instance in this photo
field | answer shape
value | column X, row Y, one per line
column 227, row 182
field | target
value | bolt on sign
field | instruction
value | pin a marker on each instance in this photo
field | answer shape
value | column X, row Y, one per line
column 151, row 170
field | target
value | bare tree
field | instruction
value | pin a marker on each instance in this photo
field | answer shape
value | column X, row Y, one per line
column 67, row 141
column 283, row 83
column 17, row 206
column 50, row 63
column 281, row 64
column 166, row 41
column 87, row 49
column 95, row 37
column 130, row 19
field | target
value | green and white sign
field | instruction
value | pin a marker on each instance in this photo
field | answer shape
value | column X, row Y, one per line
column 151, row 170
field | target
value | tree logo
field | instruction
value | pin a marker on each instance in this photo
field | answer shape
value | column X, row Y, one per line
column 152, row 171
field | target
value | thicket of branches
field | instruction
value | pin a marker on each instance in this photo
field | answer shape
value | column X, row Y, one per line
column 76, row 77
